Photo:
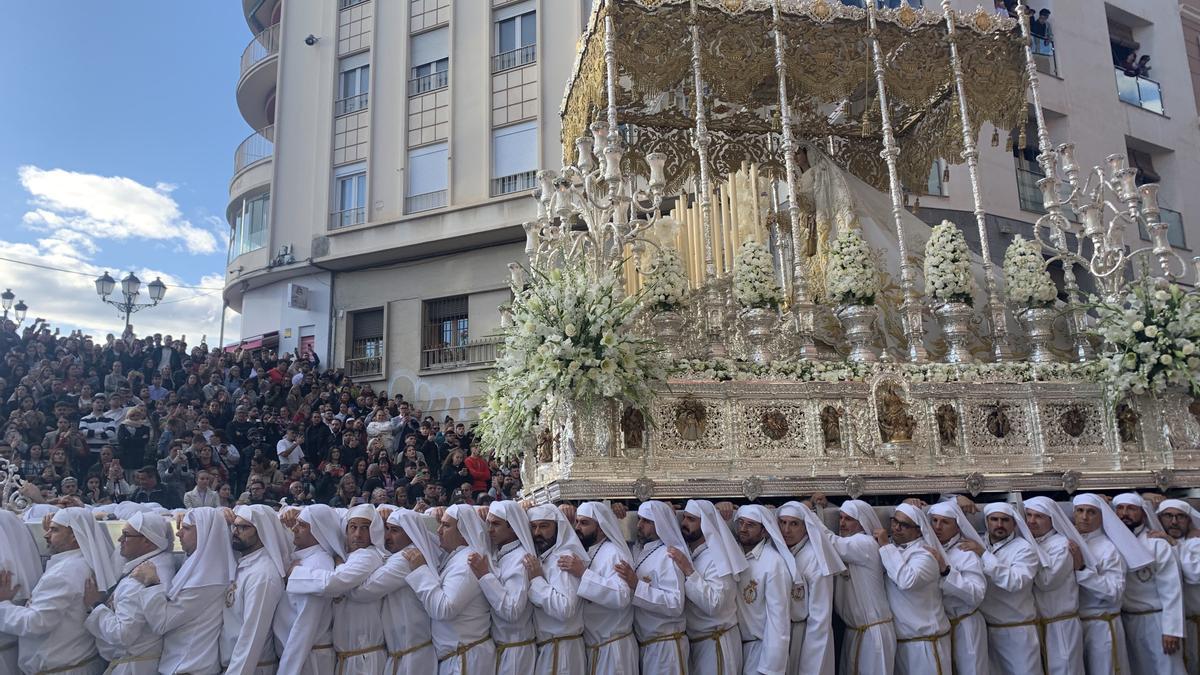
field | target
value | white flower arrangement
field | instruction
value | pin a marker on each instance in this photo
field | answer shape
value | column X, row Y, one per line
column 570, row 339
column 1151, row 340
column 851, row 277
column 754, row 282
column 665, row 283
column 948, row 265
column 1025, row 277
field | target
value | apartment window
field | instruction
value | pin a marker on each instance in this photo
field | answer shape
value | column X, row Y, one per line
column 354, row 84
column 514, row 158
column 515, row 36
column 430, row 57
column 426, row 178
column 445, row 332
column 936, row 185
column 366, row 343
column 350, row 196
column 250, row 225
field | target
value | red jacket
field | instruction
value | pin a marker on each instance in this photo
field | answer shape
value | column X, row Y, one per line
column 481, row 474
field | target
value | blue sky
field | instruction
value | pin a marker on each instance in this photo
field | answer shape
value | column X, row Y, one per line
column 116, row 148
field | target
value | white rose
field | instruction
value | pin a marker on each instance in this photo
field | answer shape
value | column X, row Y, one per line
column 1151, row 331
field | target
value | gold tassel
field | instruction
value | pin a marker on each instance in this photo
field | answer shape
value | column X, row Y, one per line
column 946, row 174
column 1021, row 139
column 906, row 200
column 995, row 138
column 917, row 206
column 1008, row 144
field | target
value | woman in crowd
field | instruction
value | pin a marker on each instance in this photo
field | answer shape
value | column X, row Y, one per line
column 133, row 437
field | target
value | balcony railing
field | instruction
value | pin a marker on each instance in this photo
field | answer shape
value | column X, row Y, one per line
column 1028, row 192
column 347, row 217
column 263, row 45
column 350, row 104
column 1140, row 91
column 1045, row 56
column 515, row 58
column 517, row 182
column 425, row 201
column 472, row 353
column 428, row 83
column 346, row 4
column 258, row 146
column 364, row 366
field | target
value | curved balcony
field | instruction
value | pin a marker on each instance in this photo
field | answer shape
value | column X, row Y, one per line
column 259, row 70
column 257, row 147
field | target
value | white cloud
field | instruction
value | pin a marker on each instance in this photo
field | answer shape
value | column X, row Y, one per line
column 109, row 208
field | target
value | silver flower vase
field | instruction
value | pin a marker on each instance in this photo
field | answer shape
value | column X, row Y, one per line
column 955, row 320
column 759, row 325
column 1038, row 323
column 668, row 330
column 858, row 322
column 590, row 428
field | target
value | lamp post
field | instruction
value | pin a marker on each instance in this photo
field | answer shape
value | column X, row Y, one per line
column 130, row 288
column 6, row 301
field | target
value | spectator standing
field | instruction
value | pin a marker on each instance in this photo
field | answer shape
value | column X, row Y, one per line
column 98, row 429
column 133, row 437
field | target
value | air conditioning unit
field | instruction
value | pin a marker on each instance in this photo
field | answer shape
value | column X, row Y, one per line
column 297, row 296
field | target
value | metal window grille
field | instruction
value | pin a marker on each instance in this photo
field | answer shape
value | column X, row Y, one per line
column 350, row 104
column 261, row 46
column 445, row 332
column 515, row 183
column 345, row 4
column 366, row 344
column 258, row 146
column 425, row 201
column 514, row 58
column 428, row 83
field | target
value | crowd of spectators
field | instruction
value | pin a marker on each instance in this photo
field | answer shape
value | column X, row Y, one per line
column 152, row 420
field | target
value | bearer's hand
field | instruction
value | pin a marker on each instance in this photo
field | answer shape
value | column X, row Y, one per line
column 414, row 557
column 533, row 566
column 627, row 573
column 572, row 565
column 680, row 561
column 1076, row 554
column 1170, row 644
column 972, row 546
column 91, row 594
column 479, row 565
column 881, row 536
column 147, row 574
column 8, row 590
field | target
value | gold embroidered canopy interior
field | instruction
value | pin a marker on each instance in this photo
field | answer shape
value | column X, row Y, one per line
column 830, row 78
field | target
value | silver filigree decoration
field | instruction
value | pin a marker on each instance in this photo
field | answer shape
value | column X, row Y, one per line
column 10, row 487
column 1070, row 481
column 1163, row 478
column 643, row 489
column 855, row 486
column 974, row 483
column 752, row 488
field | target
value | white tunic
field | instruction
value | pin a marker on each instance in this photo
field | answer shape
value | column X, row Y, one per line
column 869, row 647
column 922, row 630
column 1101, row 591
column 764, row 608
column 558, row 618
column 811, row 649
column 406, row 626
column 357, row 628
column 963, row 589
column 658, row 612
column 711, row 616
column 303, row 621
column 1009, row 609
column 1188, row 553
column 50, row 630
column 608, row 614
column 461, row 620
column 246, row 642
column 190, row 624
column 121, row 632
column 1153, row 608
column 506, row 588
column 1056, row 594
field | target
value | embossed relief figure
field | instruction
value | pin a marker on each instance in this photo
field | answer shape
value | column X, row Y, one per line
column 895, row 424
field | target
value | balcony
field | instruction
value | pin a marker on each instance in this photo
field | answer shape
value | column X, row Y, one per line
column 428, row 83
column 364, row 366
column 347, row 218
column 1139, row 91
column 518, row 182
column 514, row 59
column 1028, row 192
column 350, row 104
column 257, row 147
column 425, row 202
column 470, row 354
column 1045, row 56
column 259, row 72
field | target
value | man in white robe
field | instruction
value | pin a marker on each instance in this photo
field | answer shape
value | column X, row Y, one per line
column 19, row 557
column 50, row 630
column 811, row 649
column 406, row 624
column 1153, row 608
column 860, row 597
column 1114, row 549
column 658, row 595
column 607, row 599
column 122, row 636
column 187, row 611
column 554, row 593
column 710, row 585
column 963, row 587
column 1181, row 522
column 1010, row 562
column 247, row 645
column 456, row 605
column 1055, row 591
column 357, row 627
column 914, row 564
column 505, row 584
column 303, row 621
column 764, row 592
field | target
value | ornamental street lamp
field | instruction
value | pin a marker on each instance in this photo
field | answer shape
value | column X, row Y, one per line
column 6, row 301
column 130, row 288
